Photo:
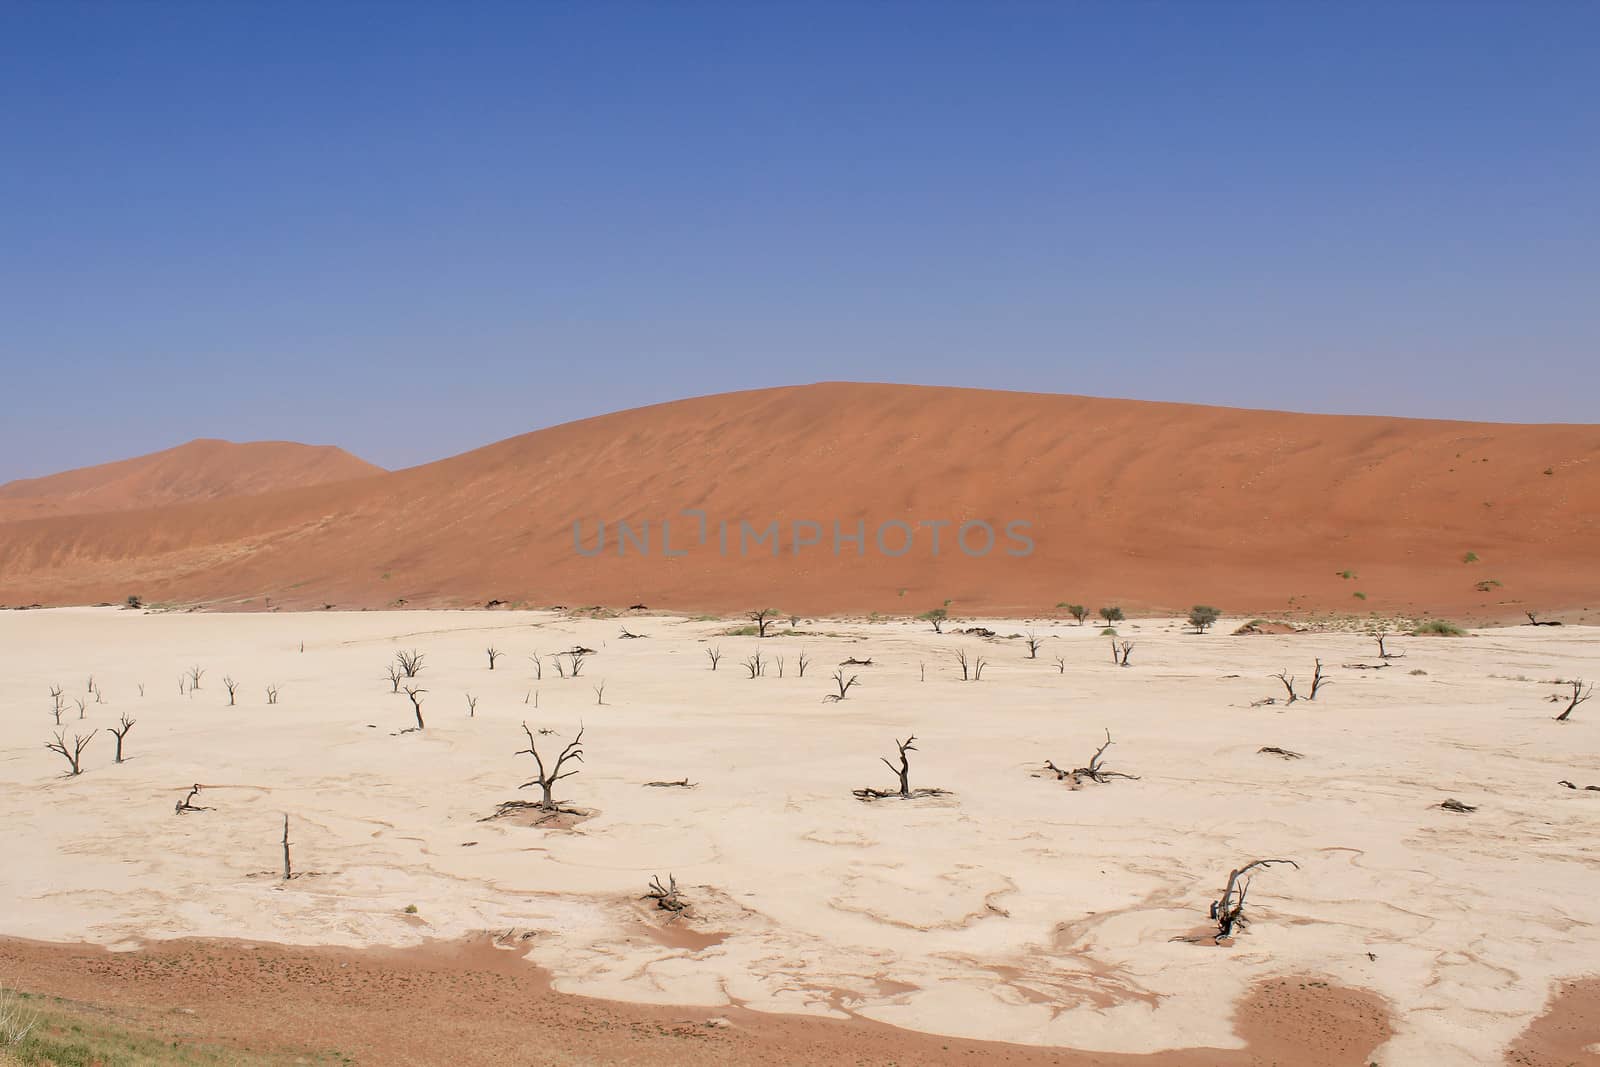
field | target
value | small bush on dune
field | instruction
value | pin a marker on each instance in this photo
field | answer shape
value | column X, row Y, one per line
column 1438, row 628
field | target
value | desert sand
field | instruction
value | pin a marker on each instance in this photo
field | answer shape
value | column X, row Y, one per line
column 1153, row 506
column 198, row 471
column 1017, row 909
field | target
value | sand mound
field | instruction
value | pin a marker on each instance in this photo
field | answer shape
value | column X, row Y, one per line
column 1152, row 506
column 199, row 470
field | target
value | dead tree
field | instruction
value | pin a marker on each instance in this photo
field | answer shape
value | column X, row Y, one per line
column 1228, row 910
column 903, row 772
column 628, row 635
column 81, row 706
column 493, row 654
column 286, row 868
column 600, row 692
column 576, row 657
column 779, row 661
column 409, row 661
column 667, row 897
column 538, row 667
column 547, row 779
column 755, row 665
column 71, row 751
column 1095, row 771
column 1033, row 644
column 803, row 663
column 843, row 684
column 1579, row 695
column 416, row 704
column 187, row 804
column 195, row 674
column 763, row 619
column 1282, row 753
column 1061, row 665
column 1533, row 620
column 272, row 694
column 1120, row 656
column 1384, row 653
column 961, row 658
column 1288, row 683
column 680, row 783
column 472, row 705
column 1318, row 680
column 395, row 674
column 1452, row 804
column 231, row 686
column 120, row 731
column 58, row 705
column 715, row 656
column 853, row 662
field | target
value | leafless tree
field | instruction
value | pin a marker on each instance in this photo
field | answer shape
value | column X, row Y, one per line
column 1119, row 655
column 472, row 706
column 966, row 664
column 1384, row 653
column 287, row 870
column 1228, row 910
column 803, row 663
column 843, row 684
column 493, row 654
column 231, row 686
column 1282, row 753
column 755, row 665
column 71, row 751
column 187, row 804
column 1288, row 683
column 195, row 674
column 779, row 661
column 272, row 693
column 538, row 667
column 1033, row 644
column 1580, row 693
column 763, row 619
column 667, row 897
column 1534, row 620
column 58, row 706
column 630, row 636
column 922, row 671
column 547, row 779
column 576, row 657
column 600, row 692
column 141, row 689
column 416, row 704
column 1318, row 680
column 1061, row 665
column 1095, row 771
column 409, row 661
column 120, row 731
column 81, row 706
column 395, row 675
column 903, row 772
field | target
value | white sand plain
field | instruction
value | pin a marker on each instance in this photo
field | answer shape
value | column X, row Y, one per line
column 1018, row 909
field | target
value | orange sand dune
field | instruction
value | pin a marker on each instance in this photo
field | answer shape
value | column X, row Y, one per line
column 200, row 470
column 1149, row 505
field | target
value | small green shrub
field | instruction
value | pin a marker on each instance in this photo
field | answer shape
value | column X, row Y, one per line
column 1111, row 614
column 1438, row 628
column 1470, row 557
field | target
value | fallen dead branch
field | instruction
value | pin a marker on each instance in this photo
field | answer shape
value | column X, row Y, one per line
column 1095, row 771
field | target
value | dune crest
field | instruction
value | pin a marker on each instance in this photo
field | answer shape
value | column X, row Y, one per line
column 1153, row 506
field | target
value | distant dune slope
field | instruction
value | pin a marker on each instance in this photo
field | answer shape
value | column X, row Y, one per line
column 200, row 470
column 1153, row 506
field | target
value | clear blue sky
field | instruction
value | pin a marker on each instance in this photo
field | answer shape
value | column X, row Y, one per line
column 414, row 229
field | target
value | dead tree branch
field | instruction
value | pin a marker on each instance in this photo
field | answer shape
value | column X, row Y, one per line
column 547, row 779
column 120, row 731
column 71, row 751
column 1095, row 771
column 1579, row 695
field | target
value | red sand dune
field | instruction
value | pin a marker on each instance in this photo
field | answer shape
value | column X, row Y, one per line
column 199, row 470
column 1152, row 506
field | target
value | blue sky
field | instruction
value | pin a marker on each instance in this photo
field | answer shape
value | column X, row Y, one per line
column 414, row 229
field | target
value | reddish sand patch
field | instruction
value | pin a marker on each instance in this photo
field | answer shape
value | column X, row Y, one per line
column 1567, row 1034
column 199, row 470
column 1152, row 506
column 474, row 1004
